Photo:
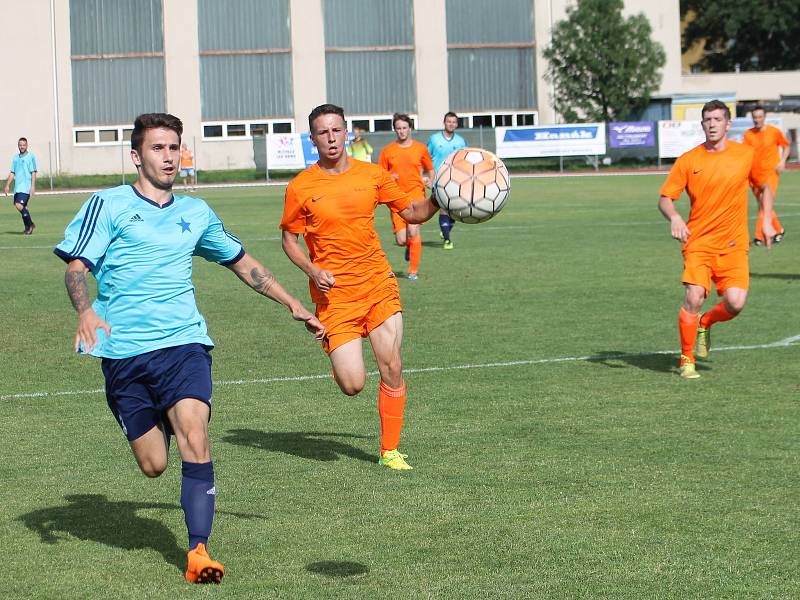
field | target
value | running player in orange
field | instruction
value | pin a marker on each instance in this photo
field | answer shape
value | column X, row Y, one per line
column 332, row 205
column 406, row 159
column 715, row 240
column 772, row 150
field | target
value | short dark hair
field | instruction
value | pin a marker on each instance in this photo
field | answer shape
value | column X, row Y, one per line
column 450, row 114
column 324, row 109
column 716, row 105
column 402, row 117
column 758, row 107
column 22, row 139
column 153, row 121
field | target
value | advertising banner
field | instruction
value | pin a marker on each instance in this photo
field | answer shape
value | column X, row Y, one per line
column 638, row 134
column 285, row 151
column 292, row 151
column 741, row 124
column 551, row 140
column 677, row 137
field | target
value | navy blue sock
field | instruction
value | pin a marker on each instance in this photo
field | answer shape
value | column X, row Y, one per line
column 445, row 225
column 26, row 217
column 197, row 500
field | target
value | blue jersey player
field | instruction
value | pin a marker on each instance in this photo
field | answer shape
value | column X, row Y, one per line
column 441, row 145
column 23, row 174
column 138, row 242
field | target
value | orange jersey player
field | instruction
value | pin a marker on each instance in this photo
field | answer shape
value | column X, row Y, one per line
column 772, row 150
column 332, row 205
column 406, row 159
column 715, row 240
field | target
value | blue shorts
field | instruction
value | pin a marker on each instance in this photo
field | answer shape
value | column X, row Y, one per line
column 21, row 198
column 140, row 389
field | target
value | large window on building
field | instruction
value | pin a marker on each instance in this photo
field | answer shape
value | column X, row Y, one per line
column 369, row 55
column 117, row 60
column 490, row 55
column 245, row 62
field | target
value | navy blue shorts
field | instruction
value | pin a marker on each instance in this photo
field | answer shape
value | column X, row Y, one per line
column 140, row 389
column 20, row 198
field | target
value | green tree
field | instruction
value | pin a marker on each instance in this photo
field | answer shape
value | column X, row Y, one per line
column 602, row 66
column 744, row 35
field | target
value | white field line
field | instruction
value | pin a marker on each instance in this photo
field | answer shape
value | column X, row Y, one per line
column 482, row 228
column 784, row 343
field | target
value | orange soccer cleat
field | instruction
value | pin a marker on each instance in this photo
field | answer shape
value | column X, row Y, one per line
column 201, row 568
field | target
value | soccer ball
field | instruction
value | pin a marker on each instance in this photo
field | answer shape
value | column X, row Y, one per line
column 472, row 185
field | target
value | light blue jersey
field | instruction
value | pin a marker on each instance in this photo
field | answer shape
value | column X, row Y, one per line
column 440, row 147
column 141, row 255
column 23, row 166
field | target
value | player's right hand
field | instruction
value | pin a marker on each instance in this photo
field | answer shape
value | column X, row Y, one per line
column 88, row 324
column 323, row 280
column 679, row 230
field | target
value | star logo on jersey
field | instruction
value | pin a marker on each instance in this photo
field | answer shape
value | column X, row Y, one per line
column 184, row 225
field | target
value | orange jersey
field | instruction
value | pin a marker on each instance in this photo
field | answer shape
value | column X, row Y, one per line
column 765, row 142
column 717, row 186
column 335, row 213
column 407, row 163
column 187, row 159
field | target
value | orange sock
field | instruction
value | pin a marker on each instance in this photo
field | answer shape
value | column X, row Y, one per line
column 715, row 315
column 759, row 222
column 391, row 403
column 687, row 325
column 414, row 253
column 776, row 223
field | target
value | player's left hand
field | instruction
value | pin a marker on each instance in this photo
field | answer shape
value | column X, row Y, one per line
column 311, row 322
column 769, row 232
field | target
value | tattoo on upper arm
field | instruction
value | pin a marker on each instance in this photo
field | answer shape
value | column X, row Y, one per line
column 77, row 290
column 261, row 280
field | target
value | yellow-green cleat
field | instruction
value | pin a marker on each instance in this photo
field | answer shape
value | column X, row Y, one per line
column 703, row 341
column 687, row 368
column 394, row 459
column 447, row 245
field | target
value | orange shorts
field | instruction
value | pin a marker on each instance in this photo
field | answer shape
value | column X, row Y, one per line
column 772, row 180
column 347, row 321
column 729, row 270
column 398, row 223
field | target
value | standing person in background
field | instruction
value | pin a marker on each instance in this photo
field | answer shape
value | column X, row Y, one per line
column 441, row 145
column 359, row 148
column 772, row 150
column 715, row 240
column 187, row 167
column 23, row 174
column 406, row 159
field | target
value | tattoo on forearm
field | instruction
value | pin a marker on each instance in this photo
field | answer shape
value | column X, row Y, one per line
column 77, row 290
column 261, row 280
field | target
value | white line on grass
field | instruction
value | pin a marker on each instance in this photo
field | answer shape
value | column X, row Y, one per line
column 784, row 343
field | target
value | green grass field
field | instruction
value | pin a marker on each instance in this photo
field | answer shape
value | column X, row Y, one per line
column 557, row 454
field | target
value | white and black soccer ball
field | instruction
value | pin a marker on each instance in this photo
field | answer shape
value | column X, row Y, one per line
column 472, row 185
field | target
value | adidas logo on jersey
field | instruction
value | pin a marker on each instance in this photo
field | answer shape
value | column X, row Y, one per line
column 136, row 219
